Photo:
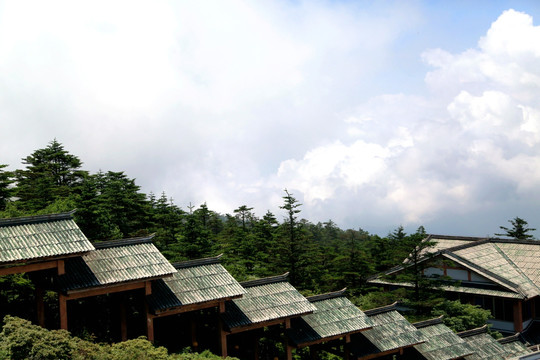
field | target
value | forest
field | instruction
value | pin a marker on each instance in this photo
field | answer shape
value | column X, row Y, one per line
column 320, row 257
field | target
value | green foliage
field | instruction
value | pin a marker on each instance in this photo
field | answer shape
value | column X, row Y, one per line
column 375, row 299
column 137, row 349
column 519, row 229
column 20, row 340
column 6, row 179
column 50, row 173
column 461, row 317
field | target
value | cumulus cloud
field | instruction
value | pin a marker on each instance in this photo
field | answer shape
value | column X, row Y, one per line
column 231, row 103
column 469, row 146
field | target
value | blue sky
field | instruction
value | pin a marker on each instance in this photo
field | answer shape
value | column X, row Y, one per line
column 373, row 114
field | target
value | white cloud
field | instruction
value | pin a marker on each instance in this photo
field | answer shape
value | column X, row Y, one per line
column 230, row 103
column 440, row 155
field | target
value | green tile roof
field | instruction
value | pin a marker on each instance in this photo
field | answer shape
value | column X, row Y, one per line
column 513, row 346
column 441, row 342
column 512, row 265
column 116, row 262
column 391, row 331
column 458, row 289
column 266, row 300
column 335, row 316
column 488, row 259
column 40, row 237
column 484, row 345
column 195, row 282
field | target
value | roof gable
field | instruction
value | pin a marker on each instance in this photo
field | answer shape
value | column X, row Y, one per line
column 441, row 342
column 498, row 267
column 196, row 281
column 266, row 300
column 485, row 346
column 391, row 331
column 116, row 262
column 39, row 237
column 335, row 316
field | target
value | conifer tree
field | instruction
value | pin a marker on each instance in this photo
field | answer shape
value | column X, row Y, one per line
column 50, row 173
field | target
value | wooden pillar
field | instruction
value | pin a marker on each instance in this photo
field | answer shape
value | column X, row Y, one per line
column 287, row 345
column 518, row 316
column 40, row 306
column 149, row 317
column 347, row 347
column 255, row 340
column 62, row 299
column 61, row 266
column 123, row 317
column 222, row 332
column 193, row 323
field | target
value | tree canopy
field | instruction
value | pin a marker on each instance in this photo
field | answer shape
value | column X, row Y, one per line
column 519, row 229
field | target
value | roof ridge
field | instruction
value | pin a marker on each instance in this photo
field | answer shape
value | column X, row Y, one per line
column 381, row 309
column 123, row 242
column 265, row 281
column 37, row 218
column 425, row 323
column 330, row 295
column 499, row 279
column 456, row 237
column 480, row 241
column 197, row 262
column 476, row 331
column 509, row 339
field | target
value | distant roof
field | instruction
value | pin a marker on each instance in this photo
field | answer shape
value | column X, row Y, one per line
column 195, row 282
column 114, row 262
column 391, row 331
column 266, row 300
column 335, row 316
column 511, row 264
column 459, row 289
column 513, row 346
column 485, row 346
column 441, row 342
column 40, row 237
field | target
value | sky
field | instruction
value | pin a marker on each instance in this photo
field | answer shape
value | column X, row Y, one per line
column 373, row 114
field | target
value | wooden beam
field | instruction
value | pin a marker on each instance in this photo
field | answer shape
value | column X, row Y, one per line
column 104, row 290
column 256, row 326
column 28, row 268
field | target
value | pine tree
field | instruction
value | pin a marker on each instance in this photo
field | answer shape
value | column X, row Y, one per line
column 519, row 229
column 50, row 173
column 6, row 179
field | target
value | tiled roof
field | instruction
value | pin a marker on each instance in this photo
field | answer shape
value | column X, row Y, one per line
column 513, row 346
column 196, row 281
column 458, row 289
column 489, row 259
column 441, row 342
column 38, row 237
column 266, row 300
column 335, row 316
column 445, row 242
column 116, row 262
column 484, row 345
column 391, row 331
column 511, row 264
